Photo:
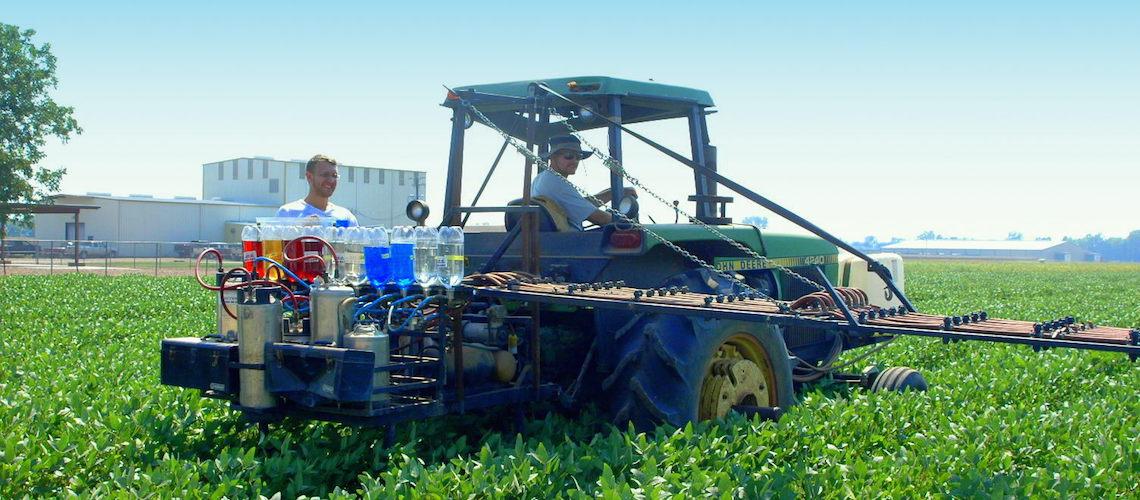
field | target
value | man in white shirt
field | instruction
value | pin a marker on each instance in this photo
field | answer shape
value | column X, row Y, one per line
column 565, row 153
column 322, row 176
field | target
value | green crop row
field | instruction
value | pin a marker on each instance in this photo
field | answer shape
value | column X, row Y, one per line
column 83, row 413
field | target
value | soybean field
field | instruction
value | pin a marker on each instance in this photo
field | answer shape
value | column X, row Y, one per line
column 83, row 413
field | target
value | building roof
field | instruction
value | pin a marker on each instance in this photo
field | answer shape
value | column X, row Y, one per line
column 182, row 200
column 1029, row 246
column 43, row 208
column 303, row 162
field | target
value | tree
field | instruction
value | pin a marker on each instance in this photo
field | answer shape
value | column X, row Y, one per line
column 756, row 220
column 28, row 117
column 1014, row 236
column 927, row 235
column 1132, row 246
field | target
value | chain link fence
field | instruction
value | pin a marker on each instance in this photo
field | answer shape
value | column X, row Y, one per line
column 111, row 258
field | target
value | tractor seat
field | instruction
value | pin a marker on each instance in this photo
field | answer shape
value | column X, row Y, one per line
column 546, row 222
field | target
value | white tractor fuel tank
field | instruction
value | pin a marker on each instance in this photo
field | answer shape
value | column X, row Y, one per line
column 853, row 272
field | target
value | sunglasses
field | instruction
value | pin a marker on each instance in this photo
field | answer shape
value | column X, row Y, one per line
column 571, row 156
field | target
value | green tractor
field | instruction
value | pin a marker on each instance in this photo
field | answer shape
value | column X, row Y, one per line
column 648, row 368
column 653, row 323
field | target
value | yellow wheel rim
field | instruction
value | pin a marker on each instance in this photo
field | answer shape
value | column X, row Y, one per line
column 738, row 374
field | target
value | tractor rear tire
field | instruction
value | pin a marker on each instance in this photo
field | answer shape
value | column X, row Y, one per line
column 899, row 378
column 664, row 370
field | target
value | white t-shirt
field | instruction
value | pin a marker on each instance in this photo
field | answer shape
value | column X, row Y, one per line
column 551, row 186
column 300, row 208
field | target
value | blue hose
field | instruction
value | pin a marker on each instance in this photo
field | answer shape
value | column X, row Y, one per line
column 369, row 305
column 284, row 269
column 302, row 310
column 407, row 299
column 419, row 308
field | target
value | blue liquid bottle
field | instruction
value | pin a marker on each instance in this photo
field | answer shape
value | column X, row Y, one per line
column 403, row 264
column 377, row 256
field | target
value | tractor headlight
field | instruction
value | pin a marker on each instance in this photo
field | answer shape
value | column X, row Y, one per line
column 418, row 211
column 629, row 207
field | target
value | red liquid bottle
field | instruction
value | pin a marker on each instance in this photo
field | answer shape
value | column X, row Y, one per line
column 251, row 250
column 300, row 252
column 291, row 250
column 311, row 267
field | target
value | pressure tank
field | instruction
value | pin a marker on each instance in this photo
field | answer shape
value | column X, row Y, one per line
column 326, row 321
column 482, row 363
column 259, row 321
column 227, row 325
column 365, row 337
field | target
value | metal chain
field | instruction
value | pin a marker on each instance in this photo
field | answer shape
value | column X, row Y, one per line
column 543, row 163
column 616, row 166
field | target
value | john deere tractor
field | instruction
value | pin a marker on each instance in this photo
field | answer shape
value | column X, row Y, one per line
column 654, row 323
column 644, row 367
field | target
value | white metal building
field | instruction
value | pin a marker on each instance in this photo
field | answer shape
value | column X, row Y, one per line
column 377, row 196
column 145, row 218
column 234, row 192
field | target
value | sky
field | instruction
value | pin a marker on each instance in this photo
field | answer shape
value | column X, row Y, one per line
column 971, row 119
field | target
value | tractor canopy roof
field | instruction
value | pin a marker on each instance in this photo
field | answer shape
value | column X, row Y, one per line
column 506, row 103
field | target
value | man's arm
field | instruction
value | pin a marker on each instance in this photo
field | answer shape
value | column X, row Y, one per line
column 600, row 217
column 605, row 196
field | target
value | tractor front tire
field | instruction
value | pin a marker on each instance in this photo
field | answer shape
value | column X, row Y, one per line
column 675, row 369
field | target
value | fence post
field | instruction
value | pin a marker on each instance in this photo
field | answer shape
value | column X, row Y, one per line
column 106, row 257
column 156, row 258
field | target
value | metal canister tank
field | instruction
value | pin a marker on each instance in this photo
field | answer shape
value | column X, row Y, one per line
column 227, row 325
column 326, row 320
column 365, row 337
column 259, row 321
